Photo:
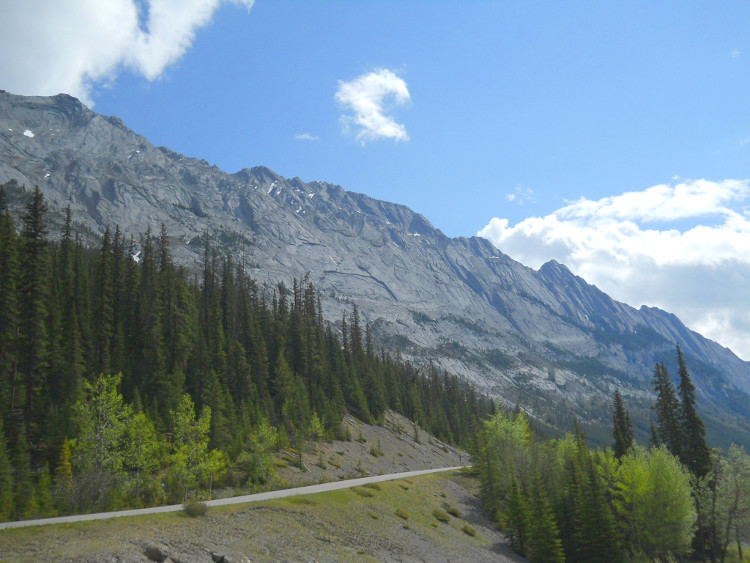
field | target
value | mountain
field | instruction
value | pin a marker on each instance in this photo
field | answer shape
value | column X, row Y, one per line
column 544, row 339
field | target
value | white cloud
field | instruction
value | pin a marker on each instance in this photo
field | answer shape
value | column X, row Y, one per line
column 521, row 195
column 735, row 53
column 307, row 137
column 48, row 46
column 370, row 97
column 684, row 248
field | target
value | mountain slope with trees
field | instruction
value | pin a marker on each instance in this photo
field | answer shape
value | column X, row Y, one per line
column 125, row 380
column 544, row 339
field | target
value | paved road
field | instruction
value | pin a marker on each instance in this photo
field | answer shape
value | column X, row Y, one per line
column 310, row 489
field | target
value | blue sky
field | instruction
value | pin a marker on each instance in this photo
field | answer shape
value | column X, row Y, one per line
column 611, row 136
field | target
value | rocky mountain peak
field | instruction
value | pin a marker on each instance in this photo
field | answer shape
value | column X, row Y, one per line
column 544, row 339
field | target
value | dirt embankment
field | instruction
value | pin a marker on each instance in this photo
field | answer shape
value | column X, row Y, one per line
column 430, row 518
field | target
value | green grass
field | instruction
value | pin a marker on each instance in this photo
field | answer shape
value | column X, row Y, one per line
column 402, row 514
column 440, row 516
column 323, row 524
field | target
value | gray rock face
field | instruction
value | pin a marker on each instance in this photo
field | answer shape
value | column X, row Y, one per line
column 545, row 339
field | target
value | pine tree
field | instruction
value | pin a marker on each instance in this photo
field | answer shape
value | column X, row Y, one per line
column 544, row 545
column 33, row 302
column 23, row 490
column 8, row 310
column 623, row 427
column 596, row 536
column 103, row 316
column 667, row 410
column 6, row 478
column 694, row 452
column 515, row 517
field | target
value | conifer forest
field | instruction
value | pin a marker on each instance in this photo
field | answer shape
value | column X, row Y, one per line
column 128, row 381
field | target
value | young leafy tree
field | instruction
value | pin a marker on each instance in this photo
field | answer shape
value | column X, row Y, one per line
column 694, row 452
column 503, row 452
column 723, row 501
column 64, row 476
column 45, row 505
column 190, row 443
column 623, row 427
column 654, row 504
column 97, row 450
column 142, row 454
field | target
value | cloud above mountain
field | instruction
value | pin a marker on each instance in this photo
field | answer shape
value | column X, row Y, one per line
column 48, row 46
column 683, row 247
column 369, row 99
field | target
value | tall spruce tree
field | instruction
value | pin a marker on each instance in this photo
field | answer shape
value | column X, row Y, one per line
column 33, row 306
column 6, row 478
column 667, row 408
column 623, row 427
column 694, row 452
column 8, row 309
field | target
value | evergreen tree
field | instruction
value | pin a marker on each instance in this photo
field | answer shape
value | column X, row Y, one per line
column 8, row 311
column 544, row 545
column 623, row 427
column 595, row 535
column 23, row 486
column 103, row 318
column 33, row 303
column 667, row 408
column 6, row 478
column 694, row 452
column 515, row 517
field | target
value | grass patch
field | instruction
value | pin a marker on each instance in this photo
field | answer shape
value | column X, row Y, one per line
column 195, row 508
column 451, row 510
column 402, row 514
column 440, row 516
column 374, row 486
column 373, row 515
column 469, row 531
column 302, row 500
column 404, row 487
column 361, row 491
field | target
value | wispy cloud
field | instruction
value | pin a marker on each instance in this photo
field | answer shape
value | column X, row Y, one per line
column 306, row 137
column 735, row 53
column 521, row 195
column 48, row 46
column 370, row 98
column 684, row 247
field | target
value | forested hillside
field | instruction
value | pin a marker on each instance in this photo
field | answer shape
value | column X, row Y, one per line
column 127, row 380
column 560, row 500
column 544, row 339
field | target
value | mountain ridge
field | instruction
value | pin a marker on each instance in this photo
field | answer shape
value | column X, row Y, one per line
column 545, row 339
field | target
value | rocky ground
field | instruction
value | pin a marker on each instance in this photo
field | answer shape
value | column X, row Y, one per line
column 391, row 521
column 393, row 446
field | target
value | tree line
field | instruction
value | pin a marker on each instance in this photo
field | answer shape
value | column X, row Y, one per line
column 127, row 380
column 560, row 500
